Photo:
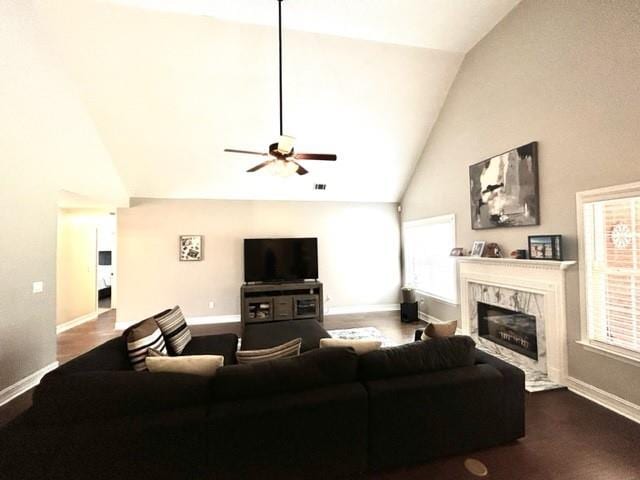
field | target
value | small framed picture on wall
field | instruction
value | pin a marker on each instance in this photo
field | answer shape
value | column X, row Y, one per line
column 191, row 248
column 545, row 247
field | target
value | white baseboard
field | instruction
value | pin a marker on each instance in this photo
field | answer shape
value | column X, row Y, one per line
column 428, row 318
column 27, row 383
column 213, row 319
column 385, row 307
column 608, row 400
column 63, row 327
column 205, row 320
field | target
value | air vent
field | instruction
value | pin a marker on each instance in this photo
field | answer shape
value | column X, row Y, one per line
column 320, row 186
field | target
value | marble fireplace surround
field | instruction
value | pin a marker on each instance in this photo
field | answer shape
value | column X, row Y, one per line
column 537, row 287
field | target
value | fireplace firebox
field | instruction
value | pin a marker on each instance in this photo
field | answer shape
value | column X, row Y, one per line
column 511, row 329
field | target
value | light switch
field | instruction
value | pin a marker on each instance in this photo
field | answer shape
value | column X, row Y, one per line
column 38, row 287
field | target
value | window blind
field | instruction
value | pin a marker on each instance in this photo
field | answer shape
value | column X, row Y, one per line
column 427, row 265
column 612, row 271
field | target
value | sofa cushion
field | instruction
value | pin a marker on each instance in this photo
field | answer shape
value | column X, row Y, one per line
column 266, row 335
column 140, row 339
column 175, row 330
column 418, row 357
column 360, row 345
column 313, row 369
column 111, row 355
column 224, row 344
column 101, row 395
column 286, row 350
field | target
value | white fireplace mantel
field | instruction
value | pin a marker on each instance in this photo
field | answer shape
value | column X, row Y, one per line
column 543, row 277
column 535, row 264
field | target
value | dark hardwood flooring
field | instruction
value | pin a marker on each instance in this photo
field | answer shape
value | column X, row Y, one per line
column 568, row 437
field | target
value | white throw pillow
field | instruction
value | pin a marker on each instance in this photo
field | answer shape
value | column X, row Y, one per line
column 360, row 345
column 204, row 365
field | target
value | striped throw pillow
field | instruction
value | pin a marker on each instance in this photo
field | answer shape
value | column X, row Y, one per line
column 288, row 349
column 175, row 330
column 140, row 339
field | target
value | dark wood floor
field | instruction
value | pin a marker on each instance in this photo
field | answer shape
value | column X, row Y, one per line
column 568, row 437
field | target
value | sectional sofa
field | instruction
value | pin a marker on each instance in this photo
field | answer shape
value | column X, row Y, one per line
column 328, row 413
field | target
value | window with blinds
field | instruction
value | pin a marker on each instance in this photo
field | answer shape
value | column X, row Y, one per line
column 427, row 265
column 611, row 243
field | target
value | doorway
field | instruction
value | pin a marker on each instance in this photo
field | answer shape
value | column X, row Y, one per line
column 105, row 262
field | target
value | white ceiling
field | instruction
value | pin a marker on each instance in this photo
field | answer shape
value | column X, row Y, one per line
column 452, row 25
column 170, row 88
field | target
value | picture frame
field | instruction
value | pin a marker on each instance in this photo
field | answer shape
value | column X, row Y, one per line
column 478, row 248
column 504, row 189
column 191, row 248
column 545, row 247
column 457, row 252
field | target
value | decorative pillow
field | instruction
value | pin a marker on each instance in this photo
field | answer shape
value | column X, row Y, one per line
column 360, row 345
column 144, row 336
column 175, row 330
column 288, row 349
column 204, row 365
column 439, row 330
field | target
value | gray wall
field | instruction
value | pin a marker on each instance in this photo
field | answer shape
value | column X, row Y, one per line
column 563, row 73
column 47, row 144
column 358, row 252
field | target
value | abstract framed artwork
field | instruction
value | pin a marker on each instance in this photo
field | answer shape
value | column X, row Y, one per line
column 504, row 189
column 191, row 248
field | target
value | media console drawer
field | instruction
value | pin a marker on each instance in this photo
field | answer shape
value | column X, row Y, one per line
column 283, row 307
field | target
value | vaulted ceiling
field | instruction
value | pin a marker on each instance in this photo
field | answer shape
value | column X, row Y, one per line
column 171, row 83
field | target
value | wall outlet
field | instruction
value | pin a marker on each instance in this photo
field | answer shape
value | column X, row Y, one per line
column 38, row 287
column 211, row 305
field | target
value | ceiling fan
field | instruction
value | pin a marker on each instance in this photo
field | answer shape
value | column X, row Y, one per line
column 282, row 157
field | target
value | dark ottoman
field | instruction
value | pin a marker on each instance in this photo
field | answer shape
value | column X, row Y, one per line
column 266, row 335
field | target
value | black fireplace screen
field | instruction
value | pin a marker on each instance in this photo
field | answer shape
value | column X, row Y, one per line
column 511, row 329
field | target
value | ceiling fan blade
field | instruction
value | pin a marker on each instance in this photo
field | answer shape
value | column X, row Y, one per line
column 316, row 156
column 249, row 152
column 301, row 170
column 258, row 167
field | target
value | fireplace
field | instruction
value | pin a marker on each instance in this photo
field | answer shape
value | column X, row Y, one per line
column 509, row 328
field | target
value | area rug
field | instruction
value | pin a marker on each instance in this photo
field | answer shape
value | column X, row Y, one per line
column 362, row 333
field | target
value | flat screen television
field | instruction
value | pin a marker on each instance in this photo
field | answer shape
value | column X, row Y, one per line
column 280, row 259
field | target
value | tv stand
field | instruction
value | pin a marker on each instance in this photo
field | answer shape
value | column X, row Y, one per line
column 272, row 302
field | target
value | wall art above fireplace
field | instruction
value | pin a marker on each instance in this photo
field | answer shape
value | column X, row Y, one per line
column 504, row 189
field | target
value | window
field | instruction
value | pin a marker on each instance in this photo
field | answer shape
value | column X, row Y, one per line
column 427, row 265
column 611, row 258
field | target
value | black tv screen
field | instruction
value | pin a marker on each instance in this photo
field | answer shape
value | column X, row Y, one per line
column 280, row 259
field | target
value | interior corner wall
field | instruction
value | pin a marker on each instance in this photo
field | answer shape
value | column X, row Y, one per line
column 48, row 144
column 564, row 74
column 358, row 252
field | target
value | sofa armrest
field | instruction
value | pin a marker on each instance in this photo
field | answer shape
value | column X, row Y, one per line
column 514, row 392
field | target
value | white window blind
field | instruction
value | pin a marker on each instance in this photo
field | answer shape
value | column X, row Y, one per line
column 611, row 243
column 427, row 265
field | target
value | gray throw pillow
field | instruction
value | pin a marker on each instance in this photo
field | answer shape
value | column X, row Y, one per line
column 288, row 349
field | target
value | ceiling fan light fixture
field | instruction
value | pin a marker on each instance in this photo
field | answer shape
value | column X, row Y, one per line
column 285, row 144
column 283, row 168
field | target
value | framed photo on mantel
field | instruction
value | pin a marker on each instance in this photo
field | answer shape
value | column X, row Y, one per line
column 545, row 247
column 504, row 189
